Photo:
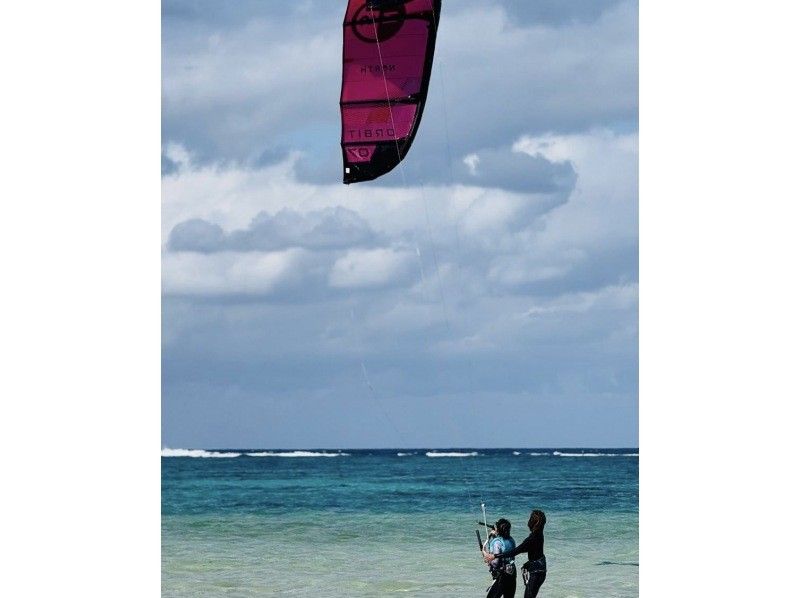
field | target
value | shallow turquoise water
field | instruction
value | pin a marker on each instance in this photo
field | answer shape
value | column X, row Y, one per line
column 372, row 523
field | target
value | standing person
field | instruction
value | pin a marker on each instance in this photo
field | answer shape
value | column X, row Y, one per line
column 503, row 570
column 535, row 570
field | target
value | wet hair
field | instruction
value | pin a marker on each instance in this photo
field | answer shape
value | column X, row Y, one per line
column 537, row 520
column 503, row 527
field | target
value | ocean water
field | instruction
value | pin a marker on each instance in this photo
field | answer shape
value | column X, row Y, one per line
column 392, row 522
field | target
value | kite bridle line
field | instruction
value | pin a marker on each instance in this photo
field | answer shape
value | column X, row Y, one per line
column 389, row 101
column 450, row 331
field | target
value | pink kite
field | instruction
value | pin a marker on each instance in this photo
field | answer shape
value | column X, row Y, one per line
column 387, row 59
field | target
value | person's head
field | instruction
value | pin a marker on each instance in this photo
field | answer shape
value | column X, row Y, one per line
column 503, row 528
column 536, row 521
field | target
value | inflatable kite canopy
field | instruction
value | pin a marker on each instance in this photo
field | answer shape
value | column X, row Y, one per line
column 386, row 66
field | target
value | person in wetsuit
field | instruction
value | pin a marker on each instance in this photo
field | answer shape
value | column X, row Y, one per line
column 534, row 570
column 503, row 570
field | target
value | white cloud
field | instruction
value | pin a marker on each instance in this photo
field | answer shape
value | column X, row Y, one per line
column 612, row 297
column 232, row 195
column 372, row 268
column 600, row 218
column 472, row 161
column 228, row 273
column 495, row 238
column 178, row 154
column 606, row 162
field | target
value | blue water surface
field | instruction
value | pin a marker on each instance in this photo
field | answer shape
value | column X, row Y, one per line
column 355, row 523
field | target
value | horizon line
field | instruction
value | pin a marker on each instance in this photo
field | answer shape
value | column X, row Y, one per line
column 403, row 448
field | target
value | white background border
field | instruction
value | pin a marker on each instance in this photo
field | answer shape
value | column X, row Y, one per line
column 719, row 298
column 81, row 316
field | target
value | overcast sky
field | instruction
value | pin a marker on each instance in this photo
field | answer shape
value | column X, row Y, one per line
column 485, row 295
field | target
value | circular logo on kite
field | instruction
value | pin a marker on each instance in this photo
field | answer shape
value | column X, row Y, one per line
column 385, row 19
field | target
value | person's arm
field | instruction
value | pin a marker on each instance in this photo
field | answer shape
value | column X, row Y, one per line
column 509, row 553
column 488, row 557
column 487, row 554
column 523, row 547
column 491, row 551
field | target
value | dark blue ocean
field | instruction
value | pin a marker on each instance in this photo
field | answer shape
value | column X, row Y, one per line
column 382, row 522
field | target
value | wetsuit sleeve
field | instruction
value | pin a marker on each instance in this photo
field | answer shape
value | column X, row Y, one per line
column 523, row 547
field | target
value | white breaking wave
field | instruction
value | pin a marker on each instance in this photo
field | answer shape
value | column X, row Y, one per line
column 405, row 454
column 297, row 454
column 558, row 454
column 434, row 454
column 169, row 452
column 538, row 454
column 517, row 453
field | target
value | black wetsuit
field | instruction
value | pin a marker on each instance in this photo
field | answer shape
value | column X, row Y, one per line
column 504, row 585
column 536, row 565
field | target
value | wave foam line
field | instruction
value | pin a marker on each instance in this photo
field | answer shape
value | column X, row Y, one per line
column 435, row 454
column 197, row 453
column 296, row 454
column 558, row 454
column 405, row 454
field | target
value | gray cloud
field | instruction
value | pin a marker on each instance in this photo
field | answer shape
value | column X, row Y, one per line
column 168, row 166
column 330, row 228
column 197, row 235
column 552, row 13
column 224, row 15
column 501, row 168
column 566, row 362
column 515, row 171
